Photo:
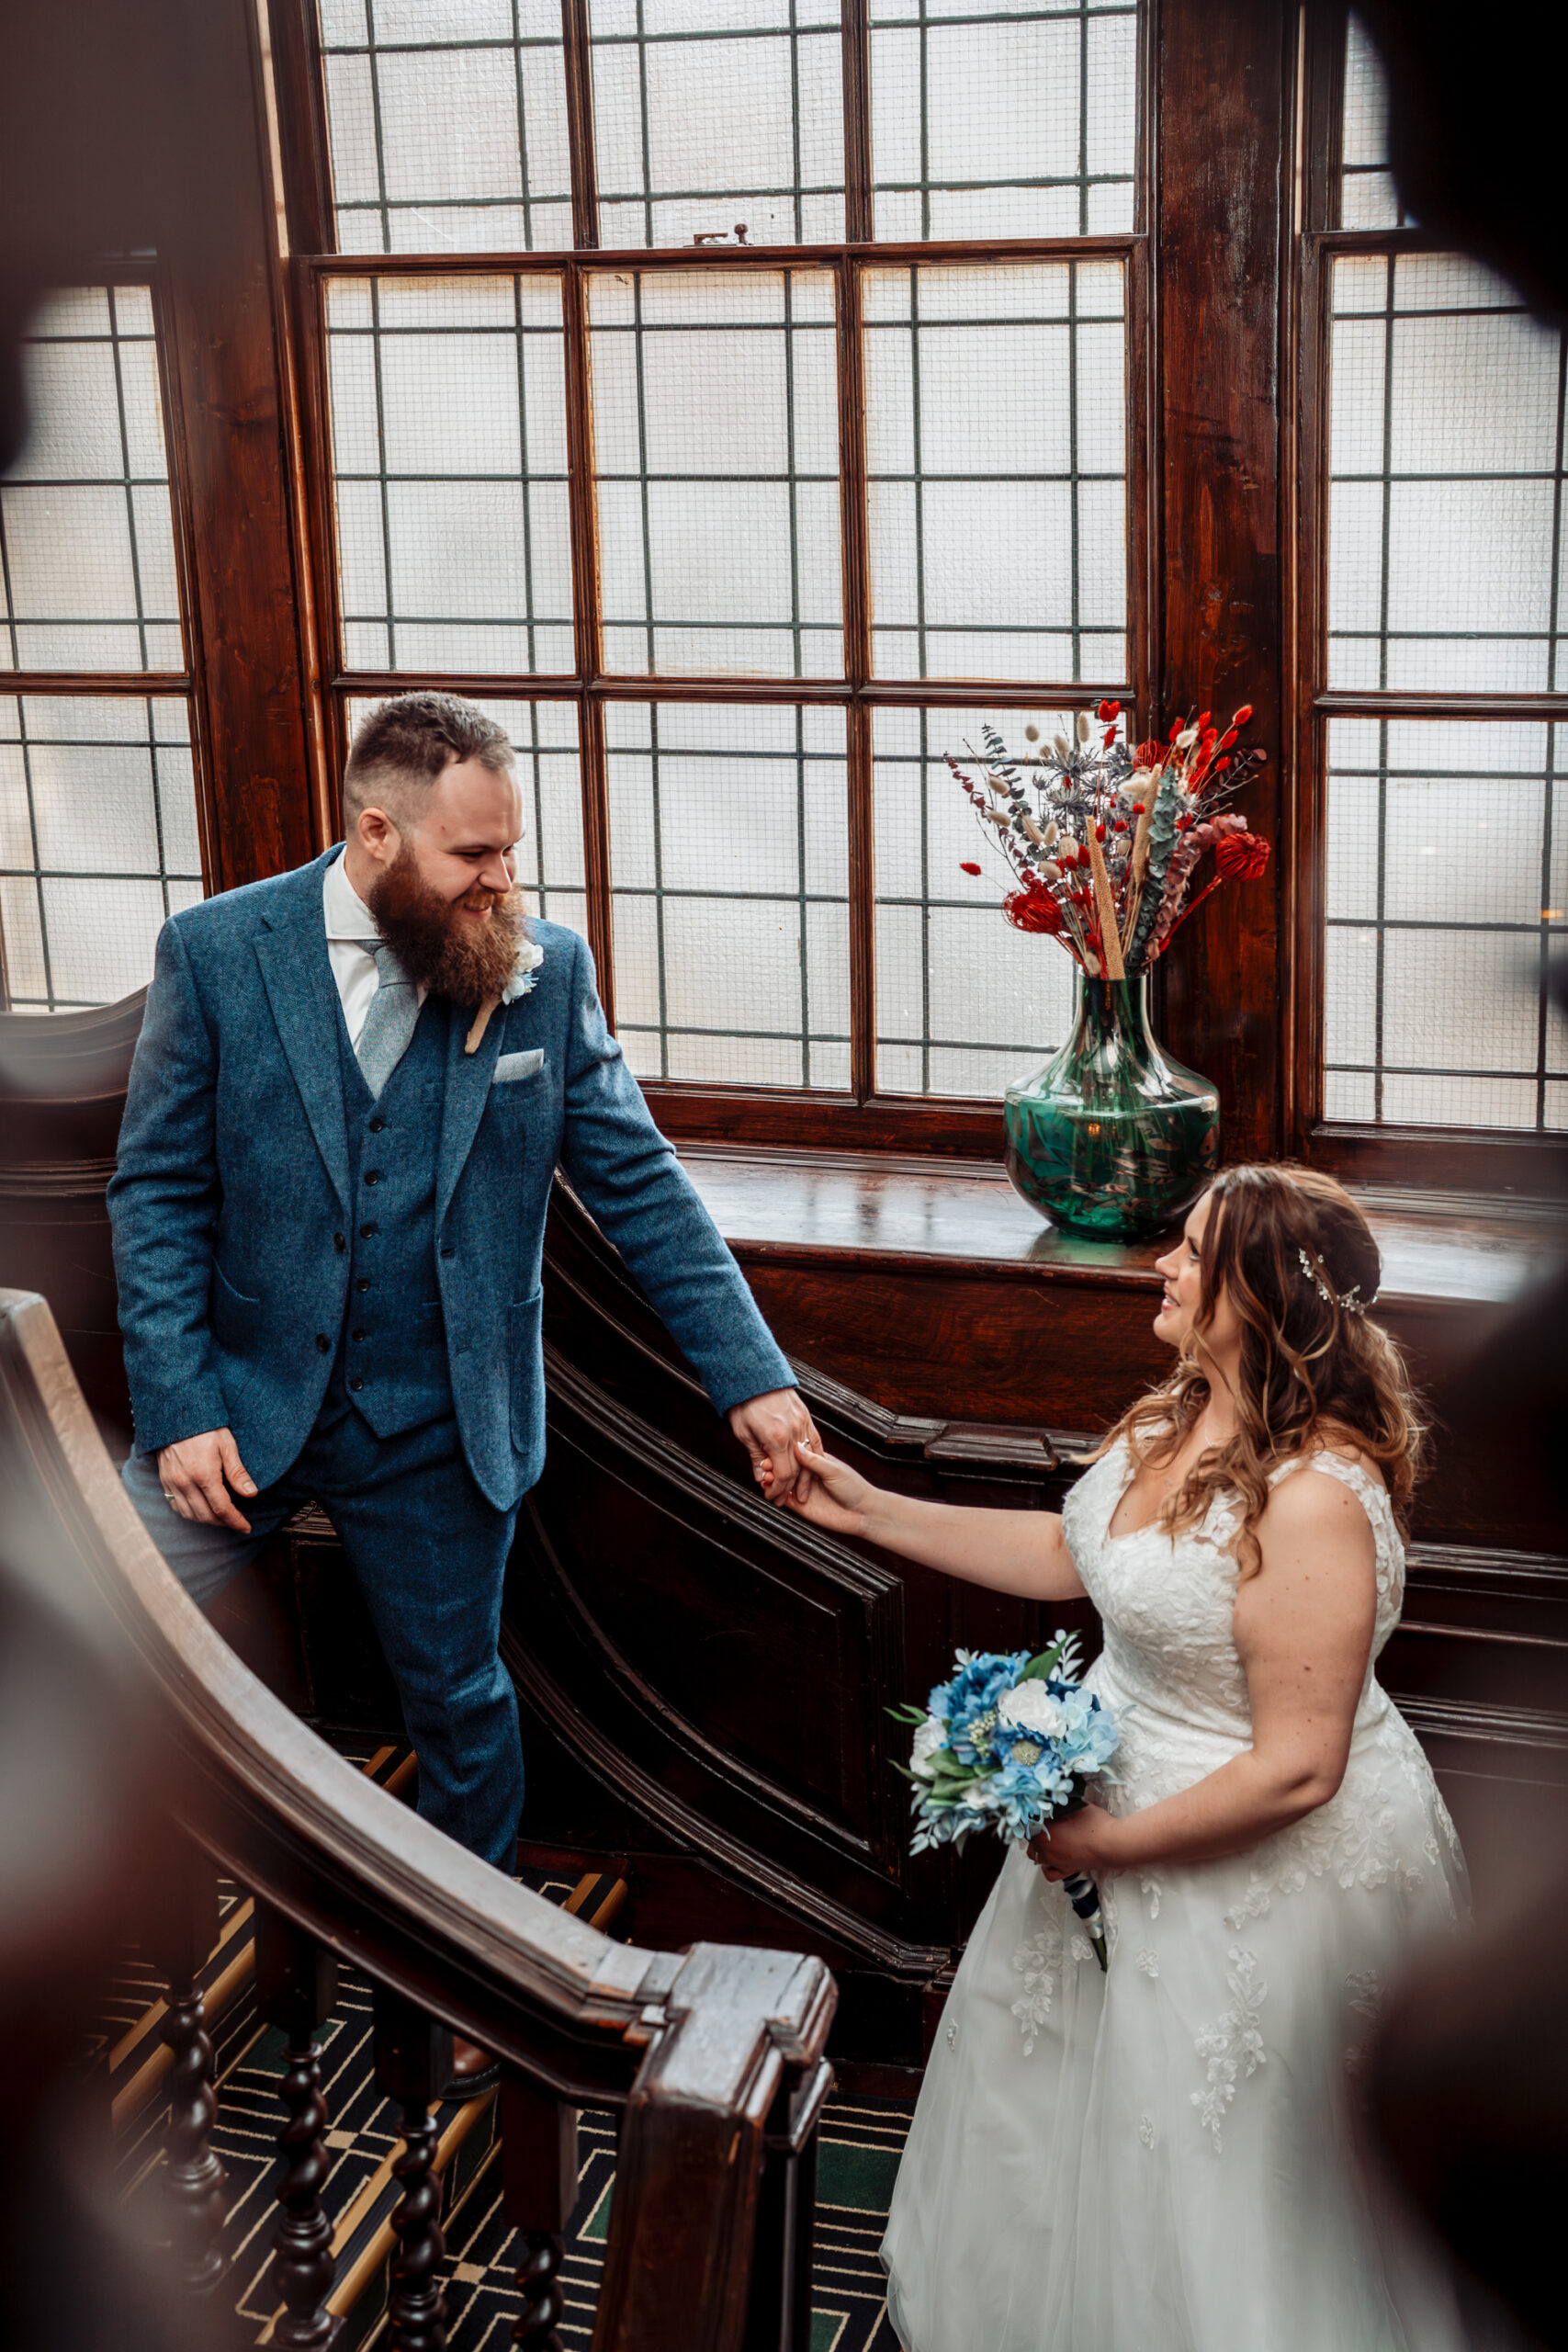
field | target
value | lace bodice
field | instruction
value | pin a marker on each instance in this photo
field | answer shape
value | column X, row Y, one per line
column 1167, row 1602
column 1172, row 1677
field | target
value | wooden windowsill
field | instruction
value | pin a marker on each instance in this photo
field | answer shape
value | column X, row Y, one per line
column 776, row 1203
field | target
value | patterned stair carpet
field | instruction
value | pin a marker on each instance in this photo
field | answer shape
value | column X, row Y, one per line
column 860, row 2142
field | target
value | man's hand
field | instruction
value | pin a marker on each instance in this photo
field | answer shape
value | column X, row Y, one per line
column 769, row 1428
column 192, row 1476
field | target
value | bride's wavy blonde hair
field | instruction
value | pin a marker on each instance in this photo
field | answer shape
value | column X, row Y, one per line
column 1313, row 1370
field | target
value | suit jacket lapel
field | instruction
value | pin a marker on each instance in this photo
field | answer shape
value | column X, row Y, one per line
column 468, row 1084
column 303, row 995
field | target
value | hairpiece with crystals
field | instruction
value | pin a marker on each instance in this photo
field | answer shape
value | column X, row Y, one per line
column 1316, row 1274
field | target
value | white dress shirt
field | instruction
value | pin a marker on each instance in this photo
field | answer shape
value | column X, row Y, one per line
column 349, row 923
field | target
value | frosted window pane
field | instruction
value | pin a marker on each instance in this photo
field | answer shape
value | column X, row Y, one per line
column 717, row 120
column 716, row 449
column 447, row 124
column 550, row 866
column 1446, row 491
column 729, row 866
column 1368, row 197
column 1012, row 121
column 449, row 460
column 1446, row 859
column 997, row 439
column 87, row 572
column 98, row 842
column 964, row 1003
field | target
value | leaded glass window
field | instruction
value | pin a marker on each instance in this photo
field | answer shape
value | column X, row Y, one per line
column 100, row 839
column 759, row 493
column 1445, row 858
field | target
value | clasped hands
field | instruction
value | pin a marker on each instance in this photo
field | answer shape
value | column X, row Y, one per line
column 772, row 1428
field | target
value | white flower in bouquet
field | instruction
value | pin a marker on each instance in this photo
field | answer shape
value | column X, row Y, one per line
column 1032, row 1709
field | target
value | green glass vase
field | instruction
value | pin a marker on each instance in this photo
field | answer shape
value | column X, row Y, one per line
column 1113, row 1137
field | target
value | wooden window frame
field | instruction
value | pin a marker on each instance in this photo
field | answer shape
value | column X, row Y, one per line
column 1466, row 1159
column 863, row 1118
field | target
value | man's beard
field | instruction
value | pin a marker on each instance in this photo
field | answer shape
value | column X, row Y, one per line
column 441, row 950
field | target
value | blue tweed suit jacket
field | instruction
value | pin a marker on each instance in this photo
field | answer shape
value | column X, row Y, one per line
column 232, row 1182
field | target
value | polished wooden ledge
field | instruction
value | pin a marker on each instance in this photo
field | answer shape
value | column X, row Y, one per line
column 771, row 1204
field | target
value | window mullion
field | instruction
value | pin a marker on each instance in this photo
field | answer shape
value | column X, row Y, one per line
column 588, row 630
column 859, row 809
column 579, row 66
column 856, row 25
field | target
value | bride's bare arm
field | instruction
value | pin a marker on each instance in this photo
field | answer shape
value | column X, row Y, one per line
column 1011, row 1551
column 1303, row 1627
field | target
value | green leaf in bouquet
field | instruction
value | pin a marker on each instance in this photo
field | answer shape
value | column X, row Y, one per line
column 905, row 1714
column 1061, row 1658
column 1162, row 843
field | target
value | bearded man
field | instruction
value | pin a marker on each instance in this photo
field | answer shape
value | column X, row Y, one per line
column 351, row 1091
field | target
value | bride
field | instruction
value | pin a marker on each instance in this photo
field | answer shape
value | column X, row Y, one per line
column 1159, row 2159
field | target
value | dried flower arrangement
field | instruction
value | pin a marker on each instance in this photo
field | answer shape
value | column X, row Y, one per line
column 1105, row 850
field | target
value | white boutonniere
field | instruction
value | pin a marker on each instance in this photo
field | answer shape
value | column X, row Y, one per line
column 530, row 956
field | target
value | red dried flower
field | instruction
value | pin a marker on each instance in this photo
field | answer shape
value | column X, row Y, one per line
column 1220, row 765
column 1241, row 857
column 1203, row 717
column 1099, row 832
column 1227, row 739
column 1176, row 727
column 967, row 865
column 1138, row 807
column 1110, row 737
column 1108, row 709
column 1240, row 717
column 1032, row 908
column 1149, row 755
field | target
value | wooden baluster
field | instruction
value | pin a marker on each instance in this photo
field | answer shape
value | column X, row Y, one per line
column 414, row 2061
column 181, row 1934
column 778, row 2315
column 295, row 1989
column 538, row 2188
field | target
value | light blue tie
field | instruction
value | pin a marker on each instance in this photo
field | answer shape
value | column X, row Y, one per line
column 389, row 1024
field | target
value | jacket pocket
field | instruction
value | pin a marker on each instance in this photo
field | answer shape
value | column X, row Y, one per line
column 232, row 1313
column 525, row 1364
column 511, row 1067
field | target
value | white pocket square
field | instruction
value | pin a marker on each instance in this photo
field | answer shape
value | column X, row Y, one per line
column 514, row 1066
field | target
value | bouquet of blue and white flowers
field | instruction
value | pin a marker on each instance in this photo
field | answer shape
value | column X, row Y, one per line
column 1010, row 1741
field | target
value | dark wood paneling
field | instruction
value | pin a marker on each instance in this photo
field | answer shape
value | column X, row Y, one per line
column 1225, row 155
column 225, row 373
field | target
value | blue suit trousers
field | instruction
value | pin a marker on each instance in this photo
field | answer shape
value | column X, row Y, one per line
column 429, row 1554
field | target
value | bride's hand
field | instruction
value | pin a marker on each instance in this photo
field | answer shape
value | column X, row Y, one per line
column 1079, row 1841
column 830, row 1495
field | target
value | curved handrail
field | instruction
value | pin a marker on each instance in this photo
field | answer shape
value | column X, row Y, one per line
column 716, row 2034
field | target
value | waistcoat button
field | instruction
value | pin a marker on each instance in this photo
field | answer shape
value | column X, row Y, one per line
column 356, row 1384
column 367, row 1231
column 338, row 1243
column 357, row 1335
column 372, row 1175
column 377, row 1125
column 323, row 1345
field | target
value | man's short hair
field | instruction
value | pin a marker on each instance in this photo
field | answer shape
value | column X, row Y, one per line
column 401, row 749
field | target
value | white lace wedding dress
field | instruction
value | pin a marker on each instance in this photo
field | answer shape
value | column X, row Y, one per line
column 1157, row 2159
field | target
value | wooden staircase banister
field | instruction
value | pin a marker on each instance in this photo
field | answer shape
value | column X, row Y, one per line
column 704, row 2051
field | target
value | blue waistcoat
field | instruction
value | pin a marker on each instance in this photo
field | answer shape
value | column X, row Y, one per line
column 391, row 1353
